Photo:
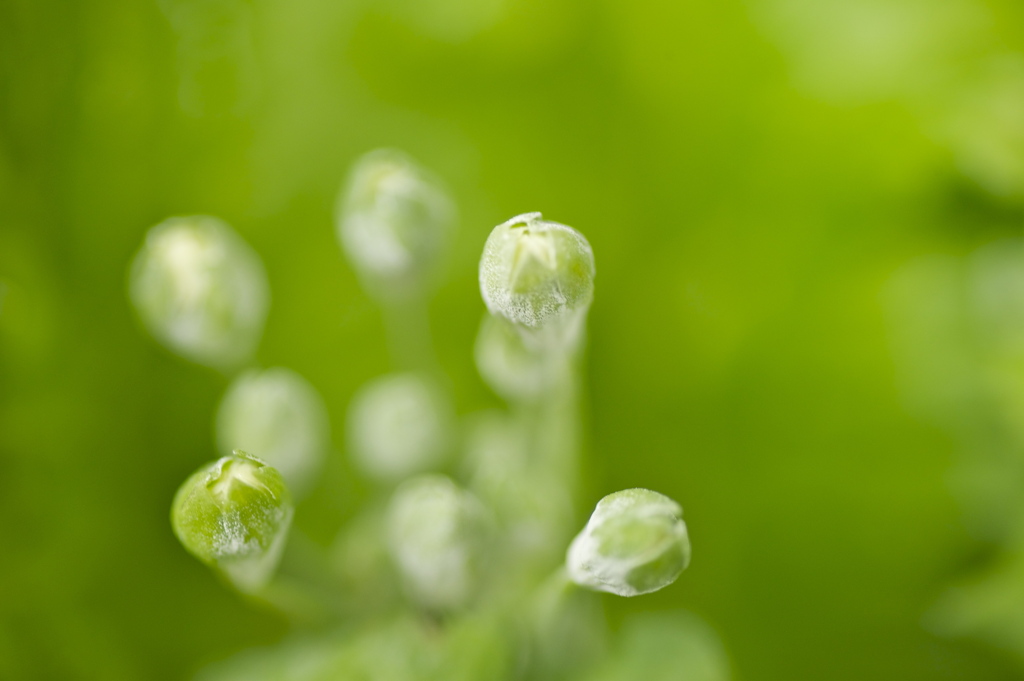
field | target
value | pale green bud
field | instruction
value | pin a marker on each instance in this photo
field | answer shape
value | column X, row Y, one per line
column 995, row 288
column 399, row 425
column 665, row 646
column 436, row 533
column 201, row 290
column 233, row 514
column 512, row 368
column 534, row 509
column 538, row 275
column 394, row 222
column 634, row 543
column 277, row 413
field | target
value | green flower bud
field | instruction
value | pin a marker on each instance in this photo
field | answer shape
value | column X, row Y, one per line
column 512, row 368
column 534, row 510
column 201, row 290
column 394, row 222
column 436, row 534
column 634, row 543
column 233, row 514
column 277, row 413
column 399, row 425
column 665, row 646
column 538, row 274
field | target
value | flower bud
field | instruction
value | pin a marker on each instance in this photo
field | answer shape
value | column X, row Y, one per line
column 233, row 514
column 399, row 425
column 533, row 509
column 436, row 533
column 511, row 368
column 634, row 543
column 665, row 646
column 538, row 274
column 277, row 413
column 394, row 222
column 201, row 290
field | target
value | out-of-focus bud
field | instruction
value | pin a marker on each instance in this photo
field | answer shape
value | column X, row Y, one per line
column 510, row 367
column 394, row 222
column 995, row 283
column 361, row 561
column 234, row 514
column 277, row 413
column 399, row 425
column 634, row 543
column 665, row 646
column 534, row 508
column 201, row 290
column 437, row 535
column 538, row 275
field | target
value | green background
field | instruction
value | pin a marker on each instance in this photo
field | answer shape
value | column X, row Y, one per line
column 750, row 175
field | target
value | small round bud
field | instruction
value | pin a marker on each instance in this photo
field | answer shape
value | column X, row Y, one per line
column 436, row 533
column 233, row 514
column 634, row 543
column 399, row 425
column 277, row 413
column 201, row 290
column 537, row 274
column 394, row 222
column 512, row 368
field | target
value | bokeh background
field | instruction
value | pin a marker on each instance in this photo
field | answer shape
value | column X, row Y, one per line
column 751, row 174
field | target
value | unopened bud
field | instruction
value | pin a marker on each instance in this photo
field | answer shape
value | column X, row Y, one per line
column 277, row 413
column 394, row 222
column 436, row 533
column 634, row 543
column 665, row 646
column 399, row 425
column 234, row 514
column 538, row 274
column 513, row 369
column 201, row 290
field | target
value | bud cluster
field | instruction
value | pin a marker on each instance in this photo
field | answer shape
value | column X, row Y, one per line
column 466, row 544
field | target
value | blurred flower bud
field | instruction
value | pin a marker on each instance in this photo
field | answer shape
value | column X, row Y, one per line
column 278, row 414
column 538, row 274
column 233, row 514
column 665, row 646
column 361, row 560
column 534, row 509
column 399, row 425
column 510, row 367
column 995, row 288
column 634, row 543
column 394, row 222
column 201, row 290
column 436, row 533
